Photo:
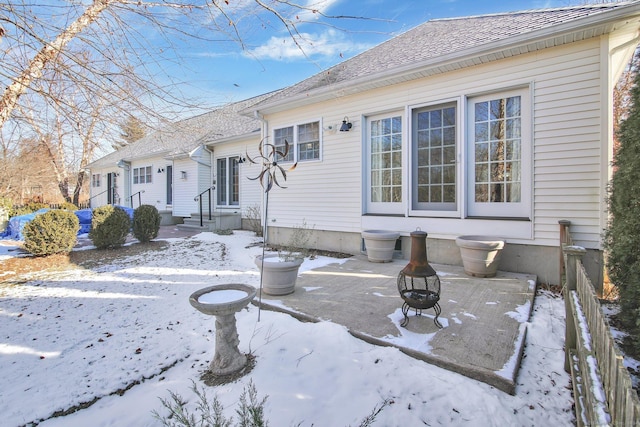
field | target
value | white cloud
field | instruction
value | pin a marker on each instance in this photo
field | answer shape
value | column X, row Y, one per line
column 330, row 43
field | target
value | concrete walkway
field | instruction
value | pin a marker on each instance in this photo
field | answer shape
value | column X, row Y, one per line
column 484, row 319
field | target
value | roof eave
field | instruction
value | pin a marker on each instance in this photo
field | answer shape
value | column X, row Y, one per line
column 592, row 26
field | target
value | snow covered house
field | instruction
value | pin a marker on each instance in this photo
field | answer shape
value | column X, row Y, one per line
column 191, row 164
column 495, row 125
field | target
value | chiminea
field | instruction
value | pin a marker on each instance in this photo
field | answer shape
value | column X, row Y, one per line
column 418, row 283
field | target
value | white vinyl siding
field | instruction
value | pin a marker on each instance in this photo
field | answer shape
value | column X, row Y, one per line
column 563, row 86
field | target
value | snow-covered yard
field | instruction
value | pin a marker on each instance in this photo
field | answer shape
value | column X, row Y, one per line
column 123, row 334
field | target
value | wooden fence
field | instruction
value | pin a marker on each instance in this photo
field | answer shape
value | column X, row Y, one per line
column 602, row 387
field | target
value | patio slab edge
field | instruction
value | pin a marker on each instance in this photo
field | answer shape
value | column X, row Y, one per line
column 502, row 383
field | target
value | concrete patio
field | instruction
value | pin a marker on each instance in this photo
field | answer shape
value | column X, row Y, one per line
column 484, row 319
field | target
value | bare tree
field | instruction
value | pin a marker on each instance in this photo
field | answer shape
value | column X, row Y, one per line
column 70, row 68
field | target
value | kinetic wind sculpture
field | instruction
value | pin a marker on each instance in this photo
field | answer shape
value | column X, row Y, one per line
column 268, row 158
column 270, row 166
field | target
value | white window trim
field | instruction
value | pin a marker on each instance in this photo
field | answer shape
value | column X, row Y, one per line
column 384, row 208
column 294, row 145
column 522, row 209
column 228, row 189
column 460, row 142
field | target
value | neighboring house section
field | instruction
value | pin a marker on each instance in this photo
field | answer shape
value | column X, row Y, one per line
column 495, row 125
column 174, row 168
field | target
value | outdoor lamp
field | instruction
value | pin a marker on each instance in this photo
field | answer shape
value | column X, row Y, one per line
column 346, row 125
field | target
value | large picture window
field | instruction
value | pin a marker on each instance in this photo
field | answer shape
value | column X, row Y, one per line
column 304, row 141
column 228, row 188
column 434, row 145
column 498, row 147
column 142, row 175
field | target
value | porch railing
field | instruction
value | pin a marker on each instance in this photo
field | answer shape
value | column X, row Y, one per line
column 198, row 198
column 139, row 198
column 111, row 190
column 603, row 391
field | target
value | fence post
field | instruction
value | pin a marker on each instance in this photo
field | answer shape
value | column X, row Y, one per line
column 564, row 240
column 574, row 254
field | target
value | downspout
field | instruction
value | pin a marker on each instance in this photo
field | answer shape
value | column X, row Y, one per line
column 264, row 135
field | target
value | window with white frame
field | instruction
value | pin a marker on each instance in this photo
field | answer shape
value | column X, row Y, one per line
column 142, row 175
column 228, row 188
column 95, row 180
column 498, row 157
column 384, row 175
column 304, row 141
column 434, row 148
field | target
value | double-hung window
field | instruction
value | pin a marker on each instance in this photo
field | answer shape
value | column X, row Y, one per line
column 95, row 180
column 142, row 175
column 304, row 142
column 498, row 141
column 228, row 188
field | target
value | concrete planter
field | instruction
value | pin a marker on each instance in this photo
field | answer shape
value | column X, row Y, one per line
column 480, row 254
column 380, row 244
column 278, row 277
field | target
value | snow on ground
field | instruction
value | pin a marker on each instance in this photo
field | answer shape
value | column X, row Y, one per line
column 124, row 335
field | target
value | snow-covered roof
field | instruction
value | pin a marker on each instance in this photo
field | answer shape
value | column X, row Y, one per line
column 183, row 137
column 443, row 45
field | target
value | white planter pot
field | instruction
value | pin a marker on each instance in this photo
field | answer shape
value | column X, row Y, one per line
column 278, row 277
column 380, row 244
column 480, row 254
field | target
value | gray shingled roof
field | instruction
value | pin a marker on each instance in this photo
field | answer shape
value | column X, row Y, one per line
column 444, row 40
column 182, row 137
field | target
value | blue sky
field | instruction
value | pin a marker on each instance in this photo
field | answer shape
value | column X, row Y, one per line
column 224, row 72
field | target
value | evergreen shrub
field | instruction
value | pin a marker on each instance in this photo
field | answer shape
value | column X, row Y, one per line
column 53, row 232
column 146, row 223
column 622, row 236
column 68, row 206
column 110, row 226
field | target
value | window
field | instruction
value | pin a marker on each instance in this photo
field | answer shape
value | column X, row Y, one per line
column 279, row 138
column 95, row 180
column 304, row 141
column 142, row 175
column 498, row 157
column 434, row 158
column 308, row 141
column 384, row 150
column 228, row 189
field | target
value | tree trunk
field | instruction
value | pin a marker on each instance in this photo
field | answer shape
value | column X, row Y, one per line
column 48, row 52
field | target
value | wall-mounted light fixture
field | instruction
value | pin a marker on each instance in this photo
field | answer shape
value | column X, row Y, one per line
column 242, row 160
column 346, row 125
column 183, row 174
column 160, row 170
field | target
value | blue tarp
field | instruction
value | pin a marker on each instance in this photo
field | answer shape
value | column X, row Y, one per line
column 84, row 216
column 17, row 223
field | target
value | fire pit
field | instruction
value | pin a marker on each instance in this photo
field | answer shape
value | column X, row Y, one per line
column 418, row 283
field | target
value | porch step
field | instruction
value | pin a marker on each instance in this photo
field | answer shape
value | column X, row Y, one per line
column 219, row 221
column 193, row 223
